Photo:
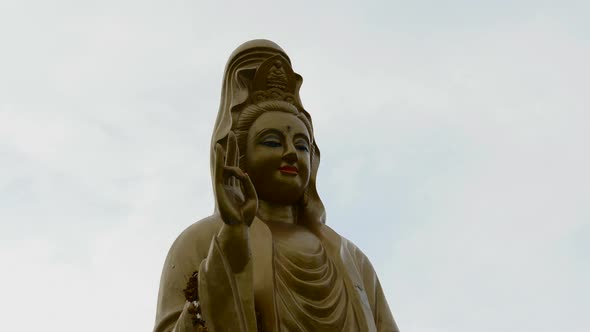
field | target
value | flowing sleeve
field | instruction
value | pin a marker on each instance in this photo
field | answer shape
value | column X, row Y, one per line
column 381, row 313
column 226, row 298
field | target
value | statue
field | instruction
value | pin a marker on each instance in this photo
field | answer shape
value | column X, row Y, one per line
column 266, row 260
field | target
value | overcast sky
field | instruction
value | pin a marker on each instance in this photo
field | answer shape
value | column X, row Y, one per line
column 455, row 139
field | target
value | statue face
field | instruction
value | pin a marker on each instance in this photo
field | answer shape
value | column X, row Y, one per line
column 278, row 157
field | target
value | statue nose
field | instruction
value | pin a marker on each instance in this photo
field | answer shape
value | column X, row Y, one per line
column 290, row 154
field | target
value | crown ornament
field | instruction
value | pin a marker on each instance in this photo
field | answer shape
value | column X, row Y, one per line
column 274, row 80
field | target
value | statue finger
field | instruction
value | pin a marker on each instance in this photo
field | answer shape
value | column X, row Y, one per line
column 233, row 171
column 228, row 211
column 219, row 163
column 231, row 155
column 232, row 150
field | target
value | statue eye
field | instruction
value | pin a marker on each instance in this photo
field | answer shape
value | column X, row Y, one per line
column 302, row 148
column 301, row 145
column 272, row 144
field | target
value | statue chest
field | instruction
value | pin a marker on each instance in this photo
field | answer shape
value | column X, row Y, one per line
column 310, row 294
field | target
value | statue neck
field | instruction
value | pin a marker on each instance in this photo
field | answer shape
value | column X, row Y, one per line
column 275, row 212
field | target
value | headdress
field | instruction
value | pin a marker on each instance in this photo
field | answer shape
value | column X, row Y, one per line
column 274, row 80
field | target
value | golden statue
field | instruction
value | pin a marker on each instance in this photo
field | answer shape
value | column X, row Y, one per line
column 265, row 260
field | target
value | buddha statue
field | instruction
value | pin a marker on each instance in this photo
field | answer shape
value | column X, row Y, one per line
column 266, row 260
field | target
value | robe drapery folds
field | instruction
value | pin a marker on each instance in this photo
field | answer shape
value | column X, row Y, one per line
column 254, row 290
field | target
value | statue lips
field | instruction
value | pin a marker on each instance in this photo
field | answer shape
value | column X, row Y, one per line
column 291, row 170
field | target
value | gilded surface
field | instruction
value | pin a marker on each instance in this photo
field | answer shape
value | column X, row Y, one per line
column 266, row 260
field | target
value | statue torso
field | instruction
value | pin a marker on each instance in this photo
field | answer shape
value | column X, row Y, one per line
column 310, row 294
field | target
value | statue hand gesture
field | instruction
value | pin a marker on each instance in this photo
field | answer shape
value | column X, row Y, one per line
column 234, row 192
column 237, row 202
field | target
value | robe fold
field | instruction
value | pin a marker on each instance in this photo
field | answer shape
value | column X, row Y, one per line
column 257, row 299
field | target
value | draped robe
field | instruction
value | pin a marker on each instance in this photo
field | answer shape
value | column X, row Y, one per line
column 274, row 283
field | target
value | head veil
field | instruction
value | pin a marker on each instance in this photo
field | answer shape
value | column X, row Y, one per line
column 236, row 93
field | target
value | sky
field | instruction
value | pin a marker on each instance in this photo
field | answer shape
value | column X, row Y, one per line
column 455, row 140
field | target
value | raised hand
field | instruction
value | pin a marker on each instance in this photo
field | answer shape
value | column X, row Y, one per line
column 237, row 202
column 234, row 191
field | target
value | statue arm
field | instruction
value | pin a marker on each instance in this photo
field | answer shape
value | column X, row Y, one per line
column 226, row 294
column 200, row 248
column 184, row 257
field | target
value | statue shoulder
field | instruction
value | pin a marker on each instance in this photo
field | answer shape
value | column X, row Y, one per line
column 350, row 253
column 361, row 260
column 196, row 238
column 346, row 246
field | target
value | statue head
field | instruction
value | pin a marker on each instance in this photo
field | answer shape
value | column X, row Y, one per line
column 260, row 103
column 275, row 145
